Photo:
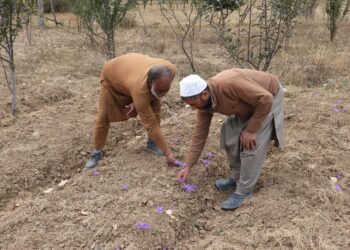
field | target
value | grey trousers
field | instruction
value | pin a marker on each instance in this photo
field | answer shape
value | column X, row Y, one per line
column 246, row 165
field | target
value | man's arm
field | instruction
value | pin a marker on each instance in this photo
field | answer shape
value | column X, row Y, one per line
column 198, row 140
column 156, row 105
column 151, row 124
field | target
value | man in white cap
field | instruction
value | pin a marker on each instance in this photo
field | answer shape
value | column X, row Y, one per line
column 253, row 100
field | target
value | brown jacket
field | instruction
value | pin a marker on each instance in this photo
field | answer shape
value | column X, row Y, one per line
column 241, row 92
column 125, row 77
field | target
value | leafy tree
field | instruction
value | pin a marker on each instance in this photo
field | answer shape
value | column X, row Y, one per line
column 336, row 11
column 101, row 17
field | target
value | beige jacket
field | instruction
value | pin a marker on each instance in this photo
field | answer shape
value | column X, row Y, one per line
column 242, row 92
column 126, row 79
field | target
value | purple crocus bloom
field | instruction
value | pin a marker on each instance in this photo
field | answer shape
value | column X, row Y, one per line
column 177, row 141
column 316, row 94
column 159, row 210
column 125, row 186
column 339, row 100
column 139, row 226
column 146, row 226
column 180, row 163
column 190, row 188
column 164, row 248
column 337, row 187
column 210, row 154
column 344, row 110
column 118, row 248
column 95, row 173
column 178, row 125
column 338, row 176
column 205, row 162
column 335, row 110
column 181, row 180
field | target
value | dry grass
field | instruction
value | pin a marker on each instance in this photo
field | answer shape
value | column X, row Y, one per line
column 295, row 205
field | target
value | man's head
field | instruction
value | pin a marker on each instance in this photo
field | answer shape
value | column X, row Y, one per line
column 159, row 79
column 195, row 92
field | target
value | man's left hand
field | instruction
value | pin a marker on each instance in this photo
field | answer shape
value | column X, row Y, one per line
column 248, row 140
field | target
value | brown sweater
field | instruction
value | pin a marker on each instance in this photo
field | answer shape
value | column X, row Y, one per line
column 126, row 79
column 242, row 92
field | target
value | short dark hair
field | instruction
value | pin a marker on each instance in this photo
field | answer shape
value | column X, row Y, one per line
column 157, row 71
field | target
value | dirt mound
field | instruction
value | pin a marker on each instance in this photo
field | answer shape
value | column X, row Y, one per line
column 44, row 96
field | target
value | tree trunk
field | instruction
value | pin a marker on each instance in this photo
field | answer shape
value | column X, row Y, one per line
column 28, row 29
column 53, row 12
column 13, row 83
column 41, row 22
column 110, row 45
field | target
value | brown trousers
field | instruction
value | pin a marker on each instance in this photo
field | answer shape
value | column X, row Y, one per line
column 111, row 109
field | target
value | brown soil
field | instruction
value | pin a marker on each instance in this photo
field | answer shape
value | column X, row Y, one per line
column 295, row 203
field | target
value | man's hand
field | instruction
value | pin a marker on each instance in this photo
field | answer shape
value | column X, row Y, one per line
column 170, row 158
column 183, row 174
column 132, row 111
column 248, row 140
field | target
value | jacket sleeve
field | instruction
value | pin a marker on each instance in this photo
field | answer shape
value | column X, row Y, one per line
column 156, row 107
column 199, row 137
column 149, row 119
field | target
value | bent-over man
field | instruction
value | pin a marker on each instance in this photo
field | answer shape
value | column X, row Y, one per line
column 132, row 85
column 253, row 102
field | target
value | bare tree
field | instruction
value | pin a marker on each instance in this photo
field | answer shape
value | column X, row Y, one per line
column 10, row 24
column 257, row 34
column 183, row 22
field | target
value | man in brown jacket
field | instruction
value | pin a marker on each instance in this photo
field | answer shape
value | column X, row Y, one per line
column 132, row 85
column 253, row 100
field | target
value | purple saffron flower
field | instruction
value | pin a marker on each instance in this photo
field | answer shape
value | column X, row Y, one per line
column 316, row 94
column 164, row 248
column 146, row 226
column 125, row 186
column 178, row 125
column 335, row 110
column 338, row 176
column 159, row 210
column 210, row 154
column 337, row 187
column 118, row 248
column 177, row 141
column 139, row 226
column 181, row 180
column 205, row 162
column 190, row 188
column 339, row 100
column 95, row 173
column 344, row 110
column 180, row 163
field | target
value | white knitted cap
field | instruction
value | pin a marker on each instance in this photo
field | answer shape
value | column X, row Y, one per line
column 192, row 85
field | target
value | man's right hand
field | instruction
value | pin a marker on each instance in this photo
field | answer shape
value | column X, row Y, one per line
column 170, row 159
column 184, row 173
